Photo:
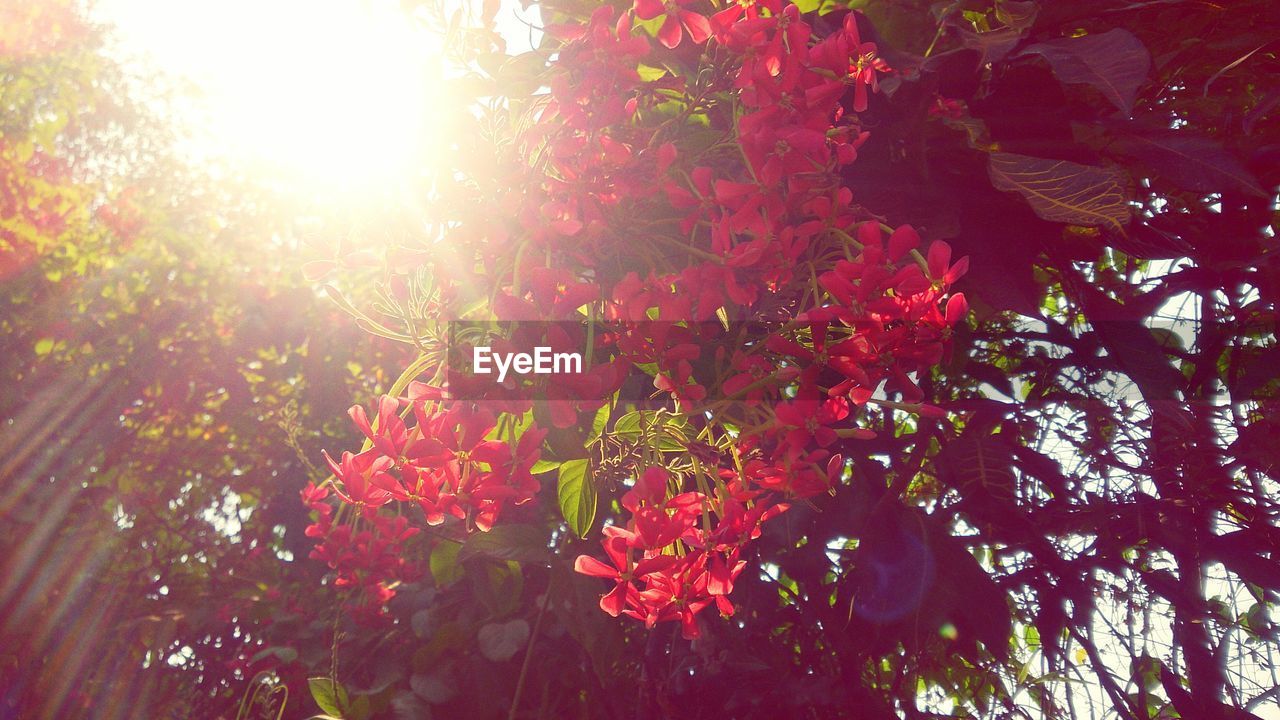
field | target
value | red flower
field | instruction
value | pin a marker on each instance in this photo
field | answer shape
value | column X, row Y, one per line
column 740, row 10
column 670, row 34
column 616, row 544
column 391, row 436
column 356, row 471
column 809, row 420
column 853, row 62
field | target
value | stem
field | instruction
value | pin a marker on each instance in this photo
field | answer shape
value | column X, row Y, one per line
column 528, row 650
column 689, row 249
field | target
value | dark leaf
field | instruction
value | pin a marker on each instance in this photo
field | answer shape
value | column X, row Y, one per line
column 993, row 44
column 1191, row 162
column 980, row 607
column 507, row 542
column 1114, row 62
column 499, row 642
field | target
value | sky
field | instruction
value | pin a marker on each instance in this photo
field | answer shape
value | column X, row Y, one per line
column 330, row 93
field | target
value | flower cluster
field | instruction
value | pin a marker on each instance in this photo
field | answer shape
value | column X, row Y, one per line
column 447, row 464
column 369, row 560
column 667, row 196
column 672, row 560
column 783, row 208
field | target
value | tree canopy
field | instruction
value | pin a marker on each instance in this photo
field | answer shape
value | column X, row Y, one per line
column 928, row 373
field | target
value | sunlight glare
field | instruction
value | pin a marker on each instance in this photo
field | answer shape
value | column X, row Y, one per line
column 333, row 96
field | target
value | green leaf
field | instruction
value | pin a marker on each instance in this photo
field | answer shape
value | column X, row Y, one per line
column 44, row 346
column 544, row 465
column 361, row 708
column 599, row 422
column 285, row 655
column 444, row 563
column 1032, row 637
column 648, row 73
column 1256, row 620
column 1065, row 192
column 498, row 585
column 329, row 695
column 577, row 495
column 664, row 431
column 1145, row 670
column 524, row 543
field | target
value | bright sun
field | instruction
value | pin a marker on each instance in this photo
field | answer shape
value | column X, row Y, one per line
column 330, row 95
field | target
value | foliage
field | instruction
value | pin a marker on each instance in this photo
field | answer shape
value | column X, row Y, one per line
column 154, row 338
column 928, row 345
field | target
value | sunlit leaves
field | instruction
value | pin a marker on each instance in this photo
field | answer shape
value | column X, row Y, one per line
column 576, row 491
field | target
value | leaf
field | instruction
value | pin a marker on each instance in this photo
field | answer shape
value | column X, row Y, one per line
column 361, row 708
column 575, row 601
column 525, row 543
column 980, row 606
column 1191, row 162
column 285, row 655
column 435, row 687
column 408, row 706
column 1114, row 62
column 649, row 73
column 329, row 695
column 981, row 468
column 44, row 346
column 500, row 641
column 577, row 495
column 498, row 585
column 662, row 431
column 599, row 422
column 993, row 44
column 1145, row 671
column 1065, row 192
column 444, row 563
column 1020, row 14
column 543, row 465
column 422, row 623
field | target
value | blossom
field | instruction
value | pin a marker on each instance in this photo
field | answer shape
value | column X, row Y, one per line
column 622, row 571
column 676, row 17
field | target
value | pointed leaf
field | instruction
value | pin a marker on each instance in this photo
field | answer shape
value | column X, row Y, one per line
column 329, row 695
column 1191, row 162
column 577, row 494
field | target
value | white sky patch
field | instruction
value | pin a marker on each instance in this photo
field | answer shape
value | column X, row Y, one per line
column 331, row 96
